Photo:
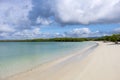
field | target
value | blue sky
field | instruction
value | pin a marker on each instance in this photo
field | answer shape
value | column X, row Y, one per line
column 28, row 19
column 93, row 27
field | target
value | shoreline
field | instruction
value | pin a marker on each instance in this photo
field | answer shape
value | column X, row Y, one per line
column 102, row 63
column 12, row 68
column 48, row 64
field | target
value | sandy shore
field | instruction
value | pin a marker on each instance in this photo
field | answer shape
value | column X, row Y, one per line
column 103, row 63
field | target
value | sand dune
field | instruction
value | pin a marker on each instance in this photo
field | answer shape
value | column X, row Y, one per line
column 103, row 63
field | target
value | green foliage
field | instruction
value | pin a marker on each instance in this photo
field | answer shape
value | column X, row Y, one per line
column 113, row 38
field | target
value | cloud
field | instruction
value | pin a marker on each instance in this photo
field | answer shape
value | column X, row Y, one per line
column 24, row 16
column 14, row 13
column 4, row 35
column 14, row 17
column 43, row 21
column 117, row 30
column 6, row 28
column 83, row 32
column 89, row 11
column 63, row 11
column 77, row 11
column 78, row 32
column 27, row 33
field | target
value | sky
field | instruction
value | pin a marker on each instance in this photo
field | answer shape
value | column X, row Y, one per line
column 29, row 19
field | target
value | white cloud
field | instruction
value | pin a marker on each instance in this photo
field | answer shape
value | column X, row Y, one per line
column 81, row 31
column 117, row 30
column 88, row 11
column 58, row 35
column 6, row 28
column 33, row 33
column 14, row 17
column 43, row 21
column 4, row 34
column 17, row 17
column 15, row 12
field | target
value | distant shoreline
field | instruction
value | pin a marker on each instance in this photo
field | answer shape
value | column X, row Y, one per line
column 112, row 38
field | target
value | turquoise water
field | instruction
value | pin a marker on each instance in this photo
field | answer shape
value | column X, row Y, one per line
column 16, row 57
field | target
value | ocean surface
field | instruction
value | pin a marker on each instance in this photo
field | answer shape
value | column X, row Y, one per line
column 17, row 57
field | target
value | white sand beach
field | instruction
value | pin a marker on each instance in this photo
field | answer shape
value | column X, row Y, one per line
column 103, row 63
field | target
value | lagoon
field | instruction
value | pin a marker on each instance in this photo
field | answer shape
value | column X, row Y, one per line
column 16, row 57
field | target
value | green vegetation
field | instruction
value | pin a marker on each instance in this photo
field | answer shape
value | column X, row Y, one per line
column 114, row 38
column 50, row 40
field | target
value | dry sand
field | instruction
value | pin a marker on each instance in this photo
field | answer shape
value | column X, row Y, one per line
column 103, row 63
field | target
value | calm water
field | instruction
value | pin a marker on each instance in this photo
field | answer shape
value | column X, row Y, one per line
column 19, row 56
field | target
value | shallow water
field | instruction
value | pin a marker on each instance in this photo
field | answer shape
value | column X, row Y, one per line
column 16, row 57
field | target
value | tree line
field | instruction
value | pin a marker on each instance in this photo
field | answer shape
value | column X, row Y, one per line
column 114, row 38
